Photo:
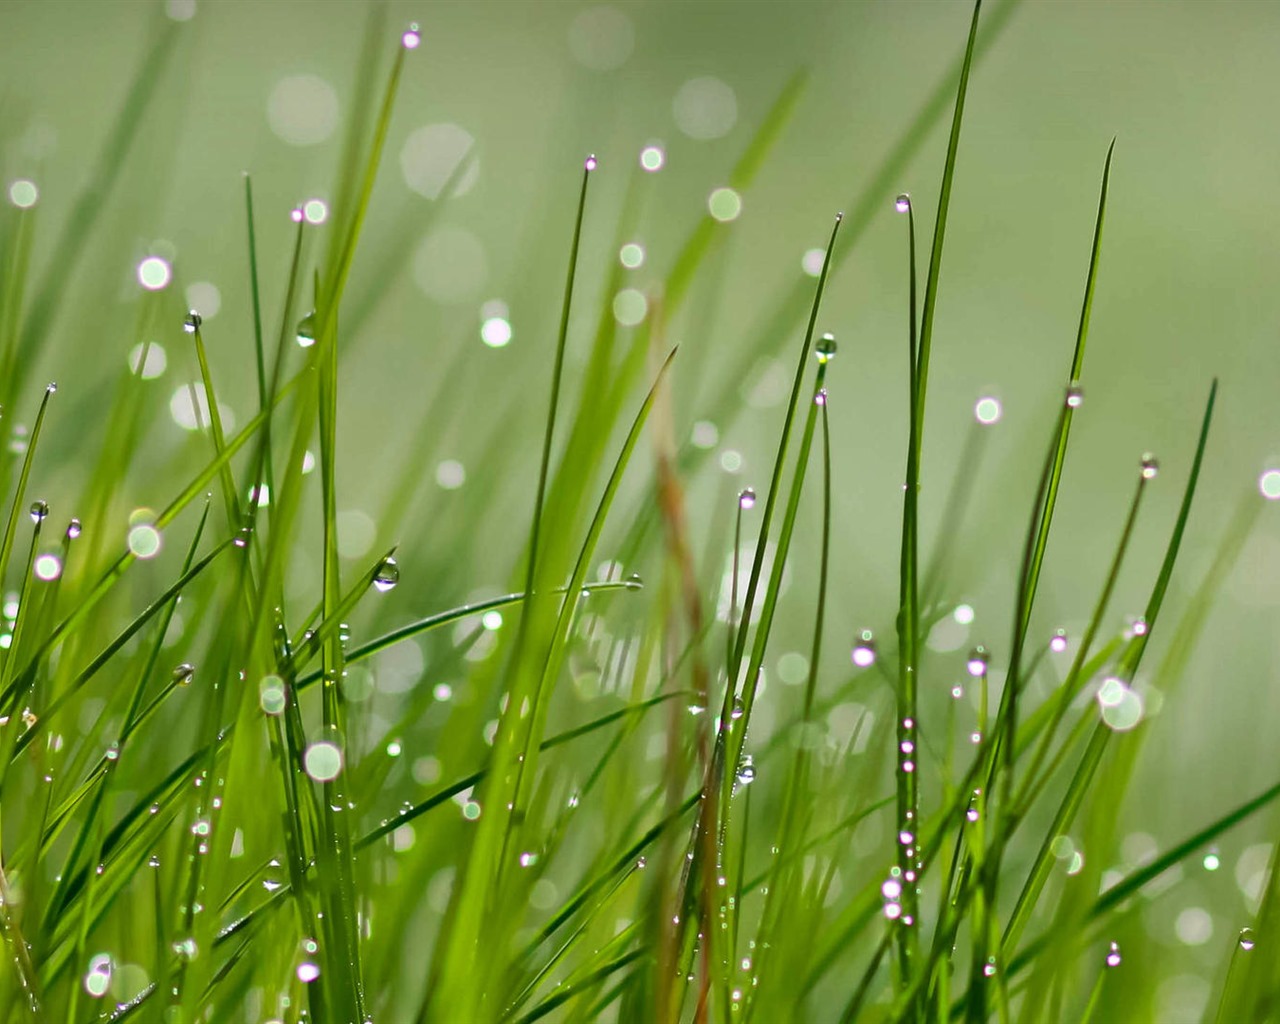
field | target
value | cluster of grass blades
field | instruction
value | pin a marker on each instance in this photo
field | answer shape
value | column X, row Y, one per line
column 212, row 808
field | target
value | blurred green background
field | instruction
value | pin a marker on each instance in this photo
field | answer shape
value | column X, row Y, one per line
column 1186, row 289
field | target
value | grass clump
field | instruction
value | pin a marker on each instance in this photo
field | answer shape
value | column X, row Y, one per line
column 220, row 800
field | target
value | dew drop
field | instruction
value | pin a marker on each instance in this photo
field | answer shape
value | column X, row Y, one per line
column 1150, row 467
column 903, row 203
column 1113, row 955
column 387, row 575
column 184, row 673
column 736, row 712
column 73, row 529
column 746, row 771
column 825, row 350
column 747, row 499
column 864, row 649
column 1247, row 941
column 192, row 322
column 307, row 331
column 1075, row 396
column 411, row 39
column 978, row 659
column 1058, row 642
column 39, row 510
column 590, row 163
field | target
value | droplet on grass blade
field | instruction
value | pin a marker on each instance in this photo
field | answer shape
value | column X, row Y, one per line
column 978, row 659
column 1246, row 940
column 387, row 575
column 192, row 322
column 1058, row 642
column 903, row 203
column 825, row 349
column 1113, row 955
column 411, row 39
column 307, row 331
column 747, row 499
column 864, row 649
column 39, row 510
column 184, row 673
column 1150, row 466
column 1075, row 396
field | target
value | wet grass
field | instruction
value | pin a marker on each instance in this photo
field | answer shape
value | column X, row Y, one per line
column 221, row 801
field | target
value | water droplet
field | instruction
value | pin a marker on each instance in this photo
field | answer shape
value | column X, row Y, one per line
column 154, row 862
column 1247, row 941
column 746, row 771
column 1139, row 627
column 1150, row 467
column 590, row 163
column 113, row 752
column 1075, row 396
column 903, row 203
column 978, row 661
column 186, row 949
column 192, row 322
column 736, row 712
column 747, row 499
column 641, row 863
column 51, row 387
column 864, row 649
column 527, row 860
column 825, row 350
column 634, row 581
column 73, row 529
column 1058, row 642
column 39, row 510
column 387, row 575
column 307, row 328
column 411, row 39
column 1113, row 955
column 989, row 968
column 184, row 673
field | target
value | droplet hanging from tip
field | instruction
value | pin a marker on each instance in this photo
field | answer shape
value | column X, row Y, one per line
column 825, row 350
column 747, row 499
column 1150, row 466
column 192, row 322
column 387, row 575
column 39, row 510
column 903, row 203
